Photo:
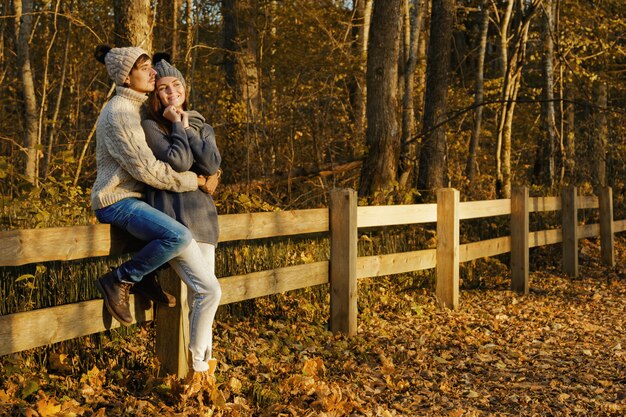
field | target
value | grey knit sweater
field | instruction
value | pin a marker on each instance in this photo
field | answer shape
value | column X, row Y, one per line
column 193, row 149
column 124, row 160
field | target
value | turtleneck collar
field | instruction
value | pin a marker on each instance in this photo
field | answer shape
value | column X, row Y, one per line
column 131, row 94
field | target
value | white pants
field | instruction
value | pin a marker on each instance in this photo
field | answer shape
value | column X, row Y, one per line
column 196, row 267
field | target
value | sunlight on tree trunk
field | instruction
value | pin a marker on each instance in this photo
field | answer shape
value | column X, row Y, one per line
column 433, row 164
column 23, row 24
column 569, row 138
column 546, row 161
column 361, row 15
column 601, row 135
column 241, row 67
column 57, row 105
column 512, row 63
column 133, row 26
column 479, row 95
column 383, row 131
column 414, row 10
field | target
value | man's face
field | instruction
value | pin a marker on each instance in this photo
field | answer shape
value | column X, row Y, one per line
column 141, row 78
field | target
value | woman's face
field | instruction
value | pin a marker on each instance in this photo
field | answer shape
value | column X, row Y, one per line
column 171, row 92
column 142, row 77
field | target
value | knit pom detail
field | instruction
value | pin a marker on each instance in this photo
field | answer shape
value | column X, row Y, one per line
column 101, row 51
column 161, row 56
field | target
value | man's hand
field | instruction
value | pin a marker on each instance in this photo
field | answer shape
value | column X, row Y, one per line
column 211, row 182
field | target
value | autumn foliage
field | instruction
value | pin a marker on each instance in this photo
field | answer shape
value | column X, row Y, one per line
column 558, row 351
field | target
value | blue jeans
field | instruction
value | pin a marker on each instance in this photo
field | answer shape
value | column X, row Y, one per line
column 166, row 237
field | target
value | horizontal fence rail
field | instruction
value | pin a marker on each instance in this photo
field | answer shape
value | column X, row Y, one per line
column 341, row 221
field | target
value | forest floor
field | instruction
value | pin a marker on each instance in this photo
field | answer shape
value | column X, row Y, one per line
column 558, row 351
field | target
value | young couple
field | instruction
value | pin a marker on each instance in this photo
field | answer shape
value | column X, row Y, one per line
column 153, row 182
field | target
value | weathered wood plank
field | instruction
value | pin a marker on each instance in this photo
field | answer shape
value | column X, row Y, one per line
column 31, row 329
column 485, row 208
column 395, row 263
column 484, row 248
column 588, row 230
column 544, row 237
column 343, row 259
column 448, row 235
column 588, row 202
column 619, row 225
column 21, row 247
column 278, row 223
column 376, row 216
column 540, row 204
column 259, row 284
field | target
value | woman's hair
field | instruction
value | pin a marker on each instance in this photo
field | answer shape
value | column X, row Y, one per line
column 154, row 106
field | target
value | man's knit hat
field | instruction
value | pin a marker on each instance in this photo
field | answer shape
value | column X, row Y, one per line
column 165, row 69
column 119, row 61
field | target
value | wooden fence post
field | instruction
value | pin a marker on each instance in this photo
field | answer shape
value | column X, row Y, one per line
column 607, row 231
column 447, row 268
column 172, row 327
column 343, row 256
column 569, row 209
column 519, row 240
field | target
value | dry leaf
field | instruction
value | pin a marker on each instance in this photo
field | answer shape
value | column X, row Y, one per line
column 313, row 367
column 48, row 407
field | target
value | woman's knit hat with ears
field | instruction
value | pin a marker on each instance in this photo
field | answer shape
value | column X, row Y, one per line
column 118, row 61
column 162, row 66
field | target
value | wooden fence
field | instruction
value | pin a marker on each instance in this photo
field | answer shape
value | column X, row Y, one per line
column 342, row 219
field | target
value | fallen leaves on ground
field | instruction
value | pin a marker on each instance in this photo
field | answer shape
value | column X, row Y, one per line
column 560, row 350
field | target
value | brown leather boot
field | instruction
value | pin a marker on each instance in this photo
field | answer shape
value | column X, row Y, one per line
column 116, row 297
column 150, row 288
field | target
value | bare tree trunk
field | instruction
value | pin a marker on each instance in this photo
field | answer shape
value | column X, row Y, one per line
column 3, row 27
column 189, row 29
column 361, row 16
column 241, row 67
column 383, row 134
column 242, row 44
column 563, row 106
column 167, row 15
column 57, row 106
column 133, row 26
column 175, row 13
column 601, row 136
column 513, row 66
column 23, row 24
column 569, row 139
column 408, row 148
column 191, row 56
column 504, row 67
column 433, row 165
column 420, row 71
column 479, row 94
column 547, row 160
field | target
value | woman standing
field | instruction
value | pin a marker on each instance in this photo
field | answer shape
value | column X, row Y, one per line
column 182, row 139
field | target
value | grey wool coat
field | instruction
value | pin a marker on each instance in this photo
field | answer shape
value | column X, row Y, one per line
column 193, row 149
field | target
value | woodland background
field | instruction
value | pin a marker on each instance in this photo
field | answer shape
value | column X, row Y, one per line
column 394, row 98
